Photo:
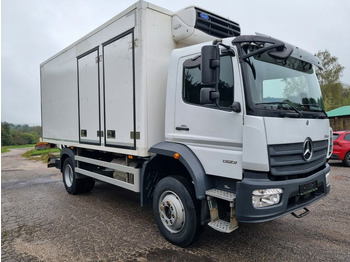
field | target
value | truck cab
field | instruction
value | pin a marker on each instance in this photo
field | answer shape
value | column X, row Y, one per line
column 251, row 111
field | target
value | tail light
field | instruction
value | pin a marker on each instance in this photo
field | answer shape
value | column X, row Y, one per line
column 336, row 143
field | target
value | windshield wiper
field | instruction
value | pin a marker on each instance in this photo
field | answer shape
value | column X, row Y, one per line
column 315, row 105
column 282, row 103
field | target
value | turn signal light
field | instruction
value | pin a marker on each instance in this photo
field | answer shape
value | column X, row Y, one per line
column 176, row 155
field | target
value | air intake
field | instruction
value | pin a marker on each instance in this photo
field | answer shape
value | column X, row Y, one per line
column 193, row 25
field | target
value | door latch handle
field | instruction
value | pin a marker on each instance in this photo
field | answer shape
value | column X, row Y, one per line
column 182, row 128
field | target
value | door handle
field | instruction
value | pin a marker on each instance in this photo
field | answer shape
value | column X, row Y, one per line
column 182, row 128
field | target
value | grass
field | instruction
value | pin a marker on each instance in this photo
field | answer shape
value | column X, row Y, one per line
column 41, row 155
column 5, row 149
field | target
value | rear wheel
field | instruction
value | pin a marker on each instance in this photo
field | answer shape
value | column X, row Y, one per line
column 175, row 211
column 346, row 160
column 72, row 184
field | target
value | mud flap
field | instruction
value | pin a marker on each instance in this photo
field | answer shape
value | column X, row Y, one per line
column 54, row 162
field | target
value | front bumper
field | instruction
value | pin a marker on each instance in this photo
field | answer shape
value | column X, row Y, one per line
column 291, row 198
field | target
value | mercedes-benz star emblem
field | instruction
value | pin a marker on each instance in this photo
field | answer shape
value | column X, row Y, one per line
column 307, row 149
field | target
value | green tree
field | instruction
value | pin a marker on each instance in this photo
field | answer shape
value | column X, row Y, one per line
column 37, row 131
column 19, row 134
column 17, row 137
column 29, row 138
column 329, row 78
column 6, row 137
column 346, row 95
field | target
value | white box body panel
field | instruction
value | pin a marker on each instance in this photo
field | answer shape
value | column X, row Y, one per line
column 59, row 98
column 107, row 90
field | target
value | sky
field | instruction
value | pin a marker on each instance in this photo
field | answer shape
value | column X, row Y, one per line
column 34, row 30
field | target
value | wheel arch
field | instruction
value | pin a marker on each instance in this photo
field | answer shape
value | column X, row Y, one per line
column 164, row 160
column 65, row 153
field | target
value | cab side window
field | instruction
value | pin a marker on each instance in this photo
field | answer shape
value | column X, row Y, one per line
column 192, row 83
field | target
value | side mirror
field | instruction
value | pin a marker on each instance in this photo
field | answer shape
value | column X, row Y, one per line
column 210, row 66
column 236, row 107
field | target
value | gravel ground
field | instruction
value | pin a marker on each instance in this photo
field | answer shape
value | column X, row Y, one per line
column 41, row 222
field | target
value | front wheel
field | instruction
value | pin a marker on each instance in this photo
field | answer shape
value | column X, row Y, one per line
column 174, row 210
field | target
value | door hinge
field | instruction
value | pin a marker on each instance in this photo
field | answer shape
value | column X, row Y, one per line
column 99, row 58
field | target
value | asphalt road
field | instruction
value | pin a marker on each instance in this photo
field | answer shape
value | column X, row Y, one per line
column 41, row 222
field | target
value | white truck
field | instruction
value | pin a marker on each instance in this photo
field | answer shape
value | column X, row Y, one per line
column 208, row 125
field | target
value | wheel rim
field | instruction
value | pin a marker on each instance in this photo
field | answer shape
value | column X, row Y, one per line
column 171, row 212
column 68, row 175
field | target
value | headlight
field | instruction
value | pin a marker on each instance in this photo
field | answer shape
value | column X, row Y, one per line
column 266, row 197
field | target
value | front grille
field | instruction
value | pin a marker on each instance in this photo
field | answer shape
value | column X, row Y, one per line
column 215, row 25
column 287, row 159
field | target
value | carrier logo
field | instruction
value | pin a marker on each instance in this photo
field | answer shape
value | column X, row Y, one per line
column 307, row 149
column 204, row 16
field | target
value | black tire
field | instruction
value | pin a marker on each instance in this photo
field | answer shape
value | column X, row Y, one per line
column 89, row 184
column 174, row 209
column 73, row 185
column 346, row 160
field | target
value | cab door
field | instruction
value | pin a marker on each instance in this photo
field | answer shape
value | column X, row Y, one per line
column 213, row 133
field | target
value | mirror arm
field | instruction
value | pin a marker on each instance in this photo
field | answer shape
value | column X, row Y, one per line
column 218, row 42
column 217, row 93
column 214, row 63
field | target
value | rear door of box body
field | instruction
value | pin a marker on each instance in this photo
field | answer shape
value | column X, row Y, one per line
column 118, row 100
column 89, row 98
column 119, row 91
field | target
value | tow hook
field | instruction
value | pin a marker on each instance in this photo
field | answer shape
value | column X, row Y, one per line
column 306, row 212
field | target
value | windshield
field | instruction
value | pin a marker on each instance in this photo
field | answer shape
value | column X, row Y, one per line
column 282, row 87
